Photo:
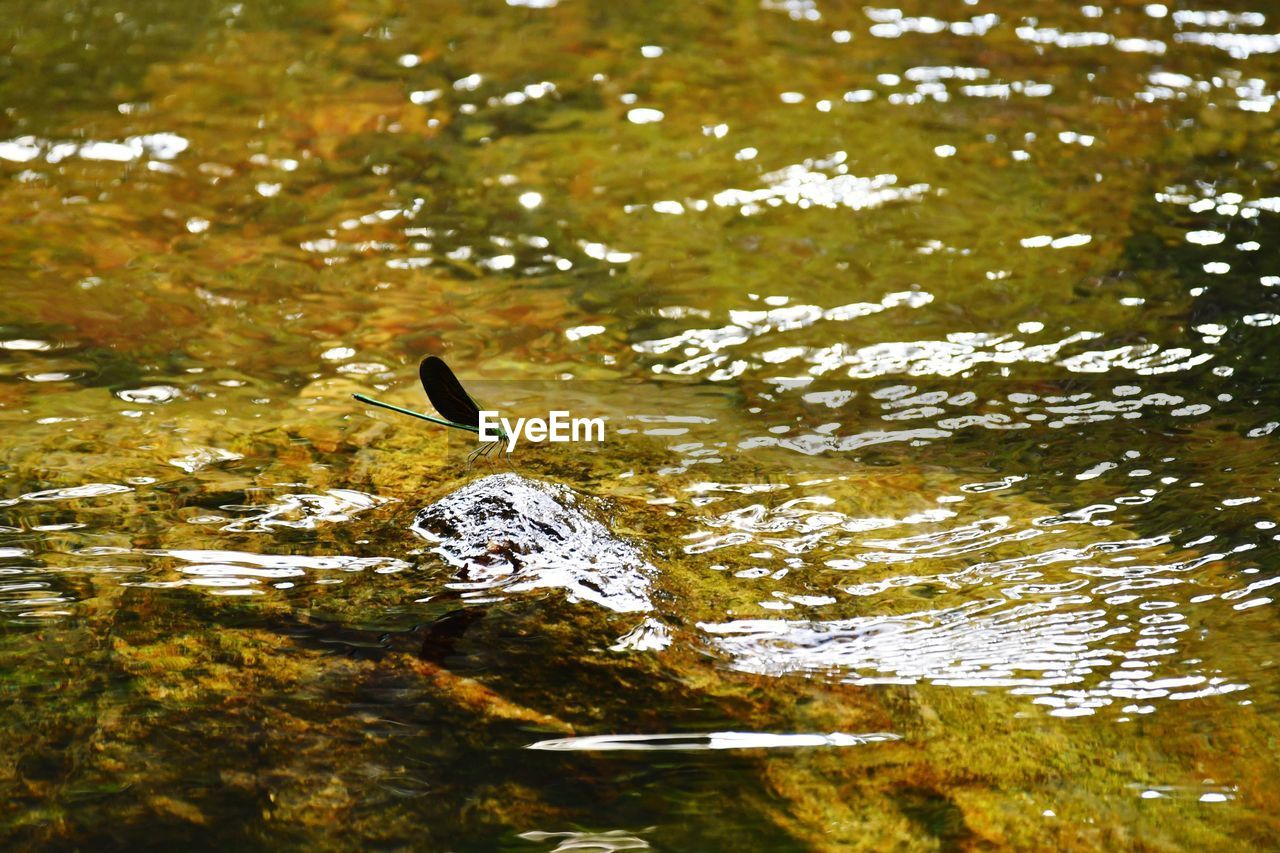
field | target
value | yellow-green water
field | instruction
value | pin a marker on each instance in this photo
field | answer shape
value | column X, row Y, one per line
column 936, row 344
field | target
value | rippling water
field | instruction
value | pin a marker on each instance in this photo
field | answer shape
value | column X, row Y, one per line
column 935, row 345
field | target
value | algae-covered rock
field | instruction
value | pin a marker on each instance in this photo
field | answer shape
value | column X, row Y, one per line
column 518, row 534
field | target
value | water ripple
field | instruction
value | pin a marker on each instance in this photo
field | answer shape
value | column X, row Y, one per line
column 707, row 741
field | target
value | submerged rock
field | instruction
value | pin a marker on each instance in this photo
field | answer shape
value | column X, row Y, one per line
column 506, row 531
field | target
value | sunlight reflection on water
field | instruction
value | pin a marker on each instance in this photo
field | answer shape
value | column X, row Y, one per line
column 935, row 253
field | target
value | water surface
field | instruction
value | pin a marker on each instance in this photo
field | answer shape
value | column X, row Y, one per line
column 936, row 345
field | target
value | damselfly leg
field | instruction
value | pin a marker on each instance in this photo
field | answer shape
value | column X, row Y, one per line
column 482, row 450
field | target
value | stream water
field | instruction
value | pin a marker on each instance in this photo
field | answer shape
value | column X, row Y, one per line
column 935, row 346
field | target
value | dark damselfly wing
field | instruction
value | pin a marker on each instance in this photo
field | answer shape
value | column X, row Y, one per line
column 447, row 394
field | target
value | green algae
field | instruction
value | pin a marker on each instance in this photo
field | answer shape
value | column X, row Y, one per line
column 306, row 716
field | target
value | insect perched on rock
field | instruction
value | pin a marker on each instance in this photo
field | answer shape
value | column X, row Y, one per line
column 450, row 399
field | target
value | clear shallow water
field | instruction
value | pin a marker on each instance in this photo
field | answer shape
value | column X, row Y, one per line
column 936, row 345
